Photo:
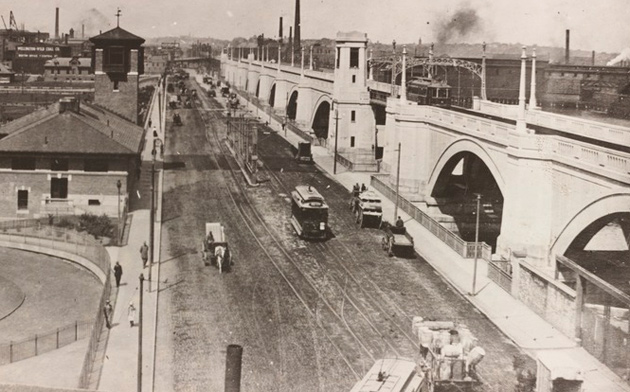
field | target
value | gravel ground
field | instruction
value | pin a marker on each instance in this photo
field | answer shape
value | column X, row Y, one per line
column 310, row 316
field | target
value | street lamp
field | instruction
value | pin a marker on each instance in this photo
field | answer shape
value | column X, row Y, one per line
column 156, row 141
column 140, row 325
column 474, row 282
column 119, row 185
column 397, row 185
column 336, row 137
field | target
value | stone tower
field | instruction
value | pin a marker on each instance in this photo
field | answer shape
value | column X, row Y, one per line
column 118, row 62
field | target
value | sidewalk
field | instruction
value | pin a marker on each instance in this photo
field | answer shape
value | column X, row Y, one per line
column 524, row 327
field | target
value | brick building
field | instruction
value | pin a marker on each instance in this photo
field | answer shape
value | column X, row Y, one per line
column 74, row 157
column 68, row 69
column 155, row 64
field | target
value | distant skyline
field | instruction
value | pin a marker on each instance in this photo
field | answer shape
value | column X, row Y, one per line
column 603, row 26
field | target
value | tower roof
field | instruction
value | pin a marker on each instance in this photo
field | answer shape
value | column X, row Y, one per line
column 117, row 34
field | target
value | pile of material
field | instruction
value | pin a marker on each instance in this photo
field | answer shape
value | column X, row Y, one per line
column 449, row 348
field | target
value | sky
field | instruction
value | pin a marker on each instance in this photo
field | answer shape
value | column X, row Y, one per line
column 602, row 25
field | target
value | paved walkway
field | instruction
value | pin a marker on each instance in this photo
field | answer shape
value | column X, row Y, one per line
column 528, row 330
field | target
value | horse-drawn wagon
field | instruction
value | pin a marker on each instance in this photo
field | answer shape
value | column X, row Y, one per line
column 215, row 249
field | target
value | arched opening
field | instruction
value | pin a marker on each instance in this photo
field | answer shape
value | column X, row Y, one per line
column 455, row 193
column 603, row 248
column 292, row 106
column 321, row 119
column 272, row 96
column 258, row 89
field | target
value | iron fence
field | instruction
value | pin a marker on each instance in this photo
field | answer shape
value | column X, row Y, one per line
column 463, row 248
column 500, row 272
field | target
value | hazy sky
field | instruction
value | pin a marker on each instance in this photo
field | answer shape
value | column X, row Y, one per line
column 602, row 25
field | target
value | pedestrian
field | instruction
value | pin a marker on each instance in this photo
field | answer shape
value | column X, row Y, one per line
column 149, row 123
column 144, row 253
column 118, row 273
column 284, row 124
column 108, row 311
column 155, row 134
column 363, row 187
column 400, row 223
column 131, row 314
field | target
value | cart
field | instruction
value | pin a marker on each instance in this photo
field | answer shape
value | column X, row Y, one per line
column 214, row 248
column 367, row 209
column 396, row 240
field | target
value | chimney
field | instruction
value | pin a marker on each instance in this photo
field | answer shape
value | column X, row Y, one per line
column 65, row 38
column 296, row 38
column 71, row 32
column 280, row 31
column 593, row 58
column 57, row 23
column 566, row 49
column 82, row 31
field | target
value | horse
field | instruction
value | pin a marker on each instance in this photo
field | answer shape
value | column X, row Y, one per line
column 219, row 254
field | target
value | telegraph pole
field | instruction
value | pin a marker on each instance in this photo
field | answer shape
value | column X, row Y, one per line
column 336, row 138
column 397, row 185
column 140, row 335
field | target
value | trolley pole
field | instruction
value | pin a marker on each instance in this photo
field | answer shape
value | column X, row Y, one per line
column 336, row 138
column 140, row 325
column 397, row 185
column 151, row 216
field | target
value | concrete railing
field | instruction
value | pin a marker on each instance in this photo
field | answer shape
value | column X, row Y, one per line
column 76, row 247
column 461, row 247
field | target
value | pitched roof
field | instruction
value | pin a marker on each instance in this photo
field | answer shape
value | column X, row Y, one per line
column 65, row 62
column 90, row 131
column 5, row 70
column 117, row 34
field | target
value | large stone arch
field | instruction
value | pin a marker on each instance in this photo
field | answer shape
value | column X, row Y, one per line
column 292, row 103
column 471, row 146
column 592, row 211
column 272, row 95
column 321, row 116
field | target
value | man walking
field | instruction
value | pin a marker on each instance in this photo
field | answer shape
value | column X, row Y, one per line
column 108, row 311
column 118, row 273
column 131, row 314
column 144, row 253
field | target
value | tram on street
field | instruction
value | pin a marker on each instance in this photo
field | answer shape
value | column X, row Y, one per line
column 425, row 91
column 309, row 213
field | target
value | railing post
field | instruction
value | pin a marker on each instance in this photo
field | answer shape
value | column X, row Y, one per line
column 11, row 351
column 76, row 330
column 57, row 337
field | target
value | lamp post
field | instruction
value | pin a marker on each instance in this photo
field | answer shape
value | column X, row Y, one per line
column 140, row 325
column 152, row 213
column 119, row 185
column 336, row 137
column 397, row 185
column 474, row 282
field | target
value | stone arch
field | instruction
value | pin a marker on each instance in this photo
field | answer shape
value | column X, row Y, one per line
column 591, row 212
column 471, row 146
column 321, row 117
column 292, row 104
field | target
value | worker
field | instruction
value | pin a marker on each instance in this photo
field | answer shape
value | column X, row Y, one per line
column 400, row 223
column 356, row 189
column 363, row 188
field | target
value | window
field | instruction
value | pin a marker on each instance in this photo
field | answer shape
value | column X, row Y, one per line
column 116, row 56
column 353, row 115
column 115, row 85
column 23, row 164
column 22, row 200
column 59, row 164
column 354, row 78
column 338, row 56
column 59, row 188
column 96, row 165
column 354, row 57
column 351, row 141
column 94, row 202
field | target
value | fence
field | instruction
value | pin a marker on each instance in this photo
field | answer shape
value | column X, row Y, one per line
column 32, row 233
column 500, row 272
column 463, row 248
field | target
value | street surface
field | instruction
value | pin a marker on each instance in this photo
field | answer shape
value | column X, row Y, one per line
column 311, row 316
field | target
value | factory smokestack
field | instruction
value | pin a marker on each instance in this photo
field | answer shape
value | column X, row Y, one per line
column 566, row 48
column 280, row 31
column 57, row 23
column 290, row 35
column 297, row 38
column 82, row 31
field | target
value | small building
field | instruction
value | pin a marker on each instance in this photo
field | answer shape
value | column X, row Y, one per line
column 67, row 159
column 31, row 57
column 155, row 64
column 68, row 69
column 6, row 74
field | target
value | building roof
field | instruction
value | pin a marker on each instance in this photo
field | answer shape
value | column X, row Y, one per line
column 4, row 70
column 91, row 130
column 65, row 62
column 117, row 34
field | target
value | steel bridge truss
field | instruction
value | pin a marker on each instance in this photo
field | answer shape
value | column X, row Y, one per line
column 386, row 64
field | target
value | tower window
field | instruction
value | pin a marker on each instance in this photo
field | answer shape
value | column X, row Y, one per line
column 354, row 57
column 338, row 56
column 353, row 116
column 351, row 141
column 354, row 78
column 22, row 200
column 115, row 85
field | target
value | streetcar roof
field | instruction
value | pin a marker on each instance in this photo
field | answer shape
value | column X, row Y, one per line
column 399, row 376
column 370, row 196
column 428, row 83
column 306, row 194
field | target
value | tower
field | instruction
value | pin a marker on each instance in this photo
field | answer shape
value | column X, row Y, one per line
column 351, row 101
column 297, row 38
column 118, row 61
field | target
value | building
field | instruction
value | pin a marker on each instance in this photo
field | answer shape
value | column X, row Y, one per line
column 30, row 58
column 69, row 69
column 67, row 159
column 75, row 157
column 155, row 64
column 6, row 74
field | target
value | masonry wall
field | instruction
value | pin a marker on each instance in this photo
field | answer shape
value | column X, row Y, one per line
column 123, row 101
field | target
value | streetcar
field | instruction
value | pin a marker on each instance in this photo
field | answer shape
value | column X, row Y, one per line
column 309, row 213
column 425, row 91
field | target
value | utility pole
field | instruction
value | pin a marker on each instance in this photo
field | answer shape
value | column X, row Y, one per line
column 336, row 138
column 474, row 282
column 140, row 325
column 397, row 185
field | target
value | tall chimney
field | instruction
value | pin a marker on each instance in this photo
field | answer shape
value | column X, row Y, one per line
column 57, row 23
column 290, row 35
column 296, row 38
column 280, row 31
column 593, row 58
column 566, row 49
column 82, row 31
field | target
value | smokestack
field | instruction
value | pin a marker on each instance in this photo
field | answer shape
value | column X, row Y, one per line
column 566, row 49
column 296, row 39
column 290, row 35
column 57, row 23
column 593, row 58
column 280, row 30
